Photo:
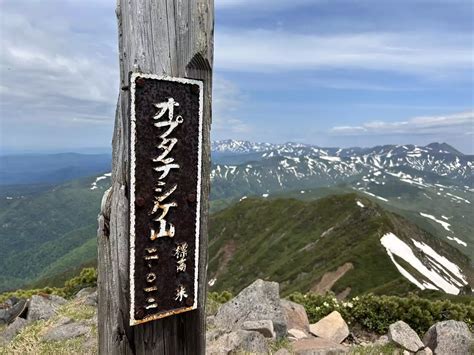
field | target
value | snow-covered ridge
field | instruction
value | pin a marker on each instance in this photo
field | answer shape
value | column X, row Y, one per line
column 434, row 271
column 435, row 158
column 99, row 178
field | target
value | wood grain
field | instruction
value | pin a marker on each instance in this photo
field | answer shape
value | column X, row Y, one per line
column 166, row 37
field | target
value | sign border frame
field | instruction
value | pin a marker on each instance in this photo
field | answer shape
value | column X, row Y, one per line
column 132, row 237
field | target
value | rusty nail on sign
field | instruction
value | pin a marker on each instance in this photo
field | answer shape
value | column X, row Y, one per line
column 165, row 175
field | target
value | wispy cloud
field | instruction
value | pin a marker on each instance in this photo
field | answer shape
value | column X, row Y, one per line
column 227, row 100
column 267, row 5
column 457, row 123
column 52, row 69
column 425, row 54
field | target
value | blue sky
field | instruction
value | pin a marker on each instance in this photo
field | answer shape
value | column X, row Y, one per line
column 331, row 73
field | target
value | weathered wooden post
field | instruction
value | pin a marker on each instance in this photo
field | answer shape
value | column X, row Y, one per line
column 152, row 237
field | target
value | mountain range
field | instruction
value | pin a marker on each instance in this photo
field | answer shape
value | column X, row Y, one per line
column 430, row 185
column 419, row 194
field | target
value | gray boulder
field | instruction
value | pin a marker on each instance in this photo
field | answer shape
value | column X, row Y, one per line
column 265, row 327
column 12, row 330
column 92, row 299
column 85, row 292
column 332, row 327
column 296, row 334
column 88, row 295
column 449, row 337
column 295, row 315
column 66, row 329
column 44, row 307
column 239, row 341
column 213, row 335
column 401, row 334
column 259, row 301
column 14, row 307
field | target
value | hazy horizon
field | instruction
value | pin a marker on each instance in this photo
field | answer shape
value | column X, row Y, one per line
column 108, row 150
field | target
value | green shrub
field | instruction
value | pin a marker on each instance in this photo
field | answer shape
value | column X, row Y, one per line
column 220, row 297
column 87, row 278
column 24, row 294
column 215, row 300
column 376, row 313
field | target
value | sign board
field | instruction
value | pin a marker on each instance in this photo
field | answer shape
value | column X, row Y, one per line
column 165, row 189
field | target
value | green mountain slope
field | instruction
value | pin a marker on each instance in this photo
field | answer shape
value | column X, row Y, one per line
column 47, row 232
column 298, row 242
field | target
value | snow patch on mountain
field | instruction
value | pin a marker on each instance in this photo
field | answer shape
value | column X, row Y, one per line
column 97, row 179
column 458, row 198
column 374, row 195
column 436, row 271
column 457, row 240
column 445, row 225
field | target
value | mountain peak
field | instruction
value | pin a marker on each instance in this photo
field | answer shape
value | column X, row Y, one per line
column 444, row 148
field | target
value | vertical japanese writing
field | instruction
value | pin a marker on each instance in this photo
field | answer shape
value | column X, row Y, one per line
column 163, row 202
column 181, row 252
column 165, row 190
column 164, row 119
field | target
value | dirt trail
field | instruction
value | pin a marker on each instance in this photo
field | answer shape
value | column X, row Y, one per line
column 330, row 278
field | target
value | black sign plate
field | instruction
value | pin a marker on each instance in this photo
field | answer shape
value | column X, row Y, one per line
column 165, row 189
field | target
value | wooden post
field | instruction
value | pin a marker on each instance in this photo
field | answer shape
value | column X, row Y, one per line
column 172, row 38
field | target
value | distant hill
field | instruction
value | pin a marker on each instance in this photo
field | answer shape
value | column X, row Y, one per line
column 344, row 243
column 53, row 224
column 48, row 231
column 50, row 168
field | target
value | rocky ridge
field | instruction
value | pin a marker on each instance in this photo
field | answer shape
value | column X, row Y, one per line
column 247, row 323
column 256, row 321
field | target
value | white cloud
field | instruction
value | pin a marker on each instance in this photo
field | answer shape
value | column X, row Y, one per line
column 426, row 54
column 53, row 68
column 427, row 125
column 227, row 100
column 267, row 5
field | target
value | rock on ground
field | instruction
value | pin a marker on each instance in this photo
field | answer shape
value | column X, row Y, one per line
column 317, row 346
column 259, row 301
column 43, row 307
column 240, row 340
column 12, row 330
column 66, row 329
column 213, row 335
column 297, row 334
column 92, row 299
column 88, row 295
column 14, row 307
column 332, row 327
column 85, row 292
column 295, row 316
column 265, row 327
column 449, row 337
column 401, row 334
